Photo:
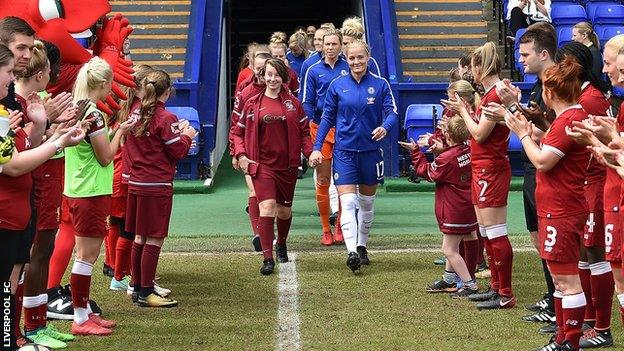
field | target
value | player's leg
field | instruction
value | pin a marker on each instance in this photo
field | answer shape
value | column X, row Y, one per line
column 123, row 248
column 323, row 176
column 286, row 182
column 370, row 175
column 266, row 191
column 585, row 276
column 254, row 213
column 572, row 303
column 63, row 248
column 450, row 247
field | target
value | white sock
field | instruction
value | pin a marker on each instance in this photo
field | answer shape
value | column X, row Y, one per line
column 333, row 197
column 348, row 222
column 365, row 218
column 81, row 315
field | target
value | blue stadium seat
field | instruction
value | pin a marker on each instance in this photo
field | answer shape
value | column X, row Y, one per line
column 609, row 14
column 514, row 143
column 190, row 114
column 421, row 119
column 564, row 35
column 562, row 14
column 607, row 32
column 518, row 65
column 519, row 33
column 590, row 7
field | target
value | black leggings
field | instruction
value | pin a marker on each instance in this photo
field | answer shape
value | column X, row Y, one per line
column 9, row 242
column 518, row 19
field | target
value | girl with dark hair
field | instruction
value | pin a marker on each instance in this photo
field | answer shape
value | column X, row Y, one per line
column 269, row 138
column 561, row 205
column 158, row 141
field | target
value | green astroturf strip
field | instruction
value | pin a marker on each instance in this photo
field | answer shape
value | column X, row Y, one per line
column 385, row 307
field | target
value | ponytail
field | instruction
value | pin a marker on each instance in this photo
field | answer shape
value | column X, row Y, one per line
column 140, row 72
column 486, row 56
column 154, row 86
column 92, row 76
column 585, row 28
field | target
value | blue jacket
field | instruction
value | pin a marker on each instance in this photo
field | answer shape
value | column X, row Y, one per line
column 295, row 62
column 355, row 110
column 315, row 84
column 312, row 59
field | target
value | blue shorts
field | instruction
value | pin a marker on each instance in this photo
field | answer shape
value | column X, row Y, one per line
column 352, row 167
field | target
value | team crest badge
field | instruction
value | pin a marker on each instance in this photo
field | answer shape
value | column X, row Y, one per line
column 336, row 176
column 343, row 72
column 371, row 90
column 289, row 105
column 175, row 127
column 370, row 100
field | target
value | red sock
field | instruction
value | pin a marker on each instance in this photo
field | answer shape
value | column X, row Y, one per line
column 149, row 262
column 19, row 301
column 43, row 313
column 110, row 242
column 135, row 259
column 63, row 249
column 585, row 274
column 265, row 228
column 81, row 283
column 283, row 227
column 480, row 256
column 573, row 311
column 559, row 317
column 31, row 314
column 494, row 282
column 122, row 257
column 602, row 289
column 471, row 252
column 503, row 253
column 254, row 213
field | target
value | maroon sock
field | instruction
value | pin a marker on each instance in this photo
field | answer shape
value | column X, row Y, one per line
column 122, row 257
column 80, row 285
column 135, row 259
column 19, row 301
column 585, row 274
column 43, row 315
column 149, row 262
column 480, row 256
column 254, row 213
column 559, row 317
column 603, row 287
column 283, row 227
column 503, row 253
column 265, row 228
column 573, row 311
column 494, row 283
column 110, row 242
column 471, row 250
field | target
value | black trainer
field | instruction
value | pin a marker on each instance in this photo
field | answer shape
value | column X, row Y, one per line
column 482, row 267
column 332, row 218
column 363, row 253
column 539, row 305
column 567, row 347
column 60, row 304
column 544, row 316
column 353, row 261
column 255, row 241
column 593, row 339
column 108, row 271
column 499, row 302
column 551, row 346
column 464, row 292
column 483, row 296
column 548, row 329
column 440, row 286
column 282, row 253
column 267, row 266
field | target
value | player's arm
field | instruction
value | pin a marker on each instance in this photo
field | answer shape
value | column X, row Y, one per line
column 308, row 99
column 478, row 130
column 328, row 120
column 104, row 149
column 554, row 146
column 389, row 108
column 238, row 134
column 304, row 134
column 176, row 137
column 433, row 172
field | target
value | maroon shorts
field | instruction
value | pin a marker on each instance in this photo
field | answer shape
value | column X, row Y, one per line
column 118, row 203
column 148, row 215
column 88, row 215
column 560, row 238
column 613, row 236
column 277, row 185
column 594, row 235
column 48, row 186
column 490, row 187
column 65, row 217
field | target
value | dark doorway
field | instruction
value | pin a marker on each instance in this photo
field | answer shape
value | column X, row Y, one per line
column 254, row 21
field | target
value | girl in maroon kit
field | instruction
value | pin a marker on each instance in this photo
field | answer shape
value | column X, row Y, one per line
column 269, row 138
column 453, row 207
column 491, row 176
column 561, row 206
column 158, row 142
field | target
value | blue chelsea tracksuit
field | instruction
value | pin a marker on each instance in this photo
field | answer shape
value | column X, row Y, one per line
column 355, row 110
column 315, row 84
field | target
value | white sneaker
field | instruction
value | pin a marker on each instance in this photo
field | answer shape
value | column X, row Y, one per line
column 161, row 291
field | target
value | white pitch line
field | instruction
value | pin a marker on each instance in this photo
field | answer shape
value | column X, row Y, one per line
column 288, row 335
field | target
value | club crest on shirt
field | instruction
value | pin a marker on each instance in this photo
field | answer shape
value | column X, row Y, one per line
column 371, row 90
column 343, row 72
column 336, row 176
column 289, row 105
column 175, row 127
column 272, row 118
column 370, row 100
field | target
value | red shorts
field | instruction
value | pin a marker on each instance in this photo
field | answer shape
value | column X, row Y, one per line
column 327, row 150
column 613, row 236
column 65, row 217
column 594, row 235
column 560, row 238
column 277, row 185
column 118, row 203
column 490, row 187
column 148, row 215
column 48, row 186
column 88, row 215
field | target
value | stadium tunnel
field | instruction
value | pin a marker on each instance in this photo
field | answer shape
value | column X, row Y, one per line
column 254, row 21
